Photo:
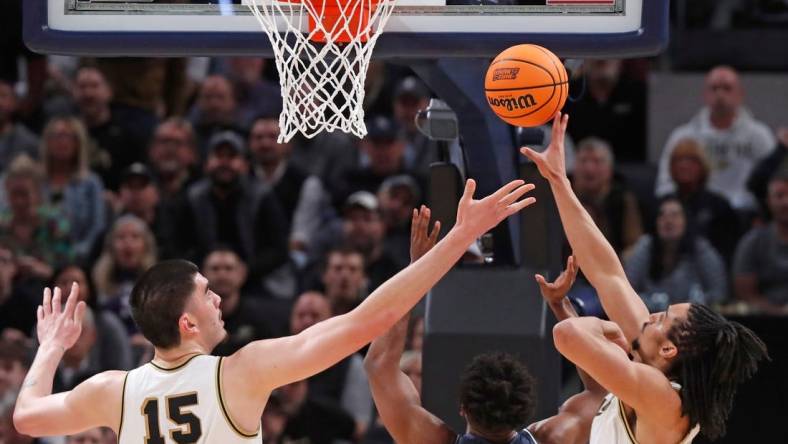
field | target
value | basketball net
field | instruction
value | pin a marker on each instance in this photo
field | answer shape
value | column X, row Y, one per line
column 322, row 71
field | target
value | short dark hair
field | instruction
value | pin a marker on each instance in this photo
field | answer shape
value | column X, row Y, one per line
column 715, row 355
column 159, row 298
column 497, row 393
column 342, row 250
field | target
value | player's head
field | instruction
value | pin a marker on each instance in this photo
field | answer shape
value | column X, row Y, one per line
column 497, row 394
column 708, row 355
column 172, row 303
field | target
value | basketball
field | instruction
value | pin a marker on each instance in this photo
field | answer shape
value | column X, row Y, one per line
column 526, row 85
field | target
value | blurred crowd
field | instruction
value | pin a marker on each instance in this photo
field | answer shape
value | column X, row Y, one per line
column 109, row 165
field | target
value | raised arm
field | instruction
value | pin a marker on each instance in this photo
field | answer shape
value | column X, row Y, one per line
column 94, row 403
column 593, row 252
column 396, row 398
column 326, row 343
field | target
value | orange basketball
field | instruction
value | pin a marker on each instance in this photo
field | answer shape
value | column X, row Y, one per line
column 526, row 85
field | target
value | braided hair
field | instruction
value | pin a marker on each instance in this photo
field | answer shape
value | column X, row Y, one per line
column 715, row 356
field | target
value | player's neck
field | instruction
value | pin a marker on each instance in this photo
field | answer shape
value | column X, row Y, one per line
column 176, row 356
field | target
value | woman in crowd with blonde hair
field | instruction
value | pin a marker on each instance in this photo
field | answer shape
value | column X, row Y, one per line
column 69, row 184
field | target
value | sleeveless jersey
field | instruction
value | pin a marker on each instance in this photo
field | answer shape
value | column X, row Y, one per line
column 181, row 405
column 610, row 425
column 523, row 437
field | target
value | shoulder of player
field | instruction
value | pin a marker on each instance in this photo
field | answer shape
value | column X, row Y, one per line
column 657, row 401
column 106, row 383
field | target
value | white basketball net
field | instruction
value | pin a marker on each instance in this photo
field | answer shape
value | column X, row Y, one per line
column 322, row 83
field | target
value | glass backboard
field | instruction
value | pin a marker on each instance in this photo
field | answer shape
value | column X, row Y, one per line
column 417, row 29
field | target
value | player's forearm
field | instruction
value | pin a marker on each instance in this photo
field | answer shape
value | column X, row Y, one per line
column 386, row 351
column 563, row 309
column 40, row 377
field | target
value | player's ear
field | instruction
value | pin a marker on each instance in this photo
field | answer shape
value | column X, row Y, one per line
column 668, row 349
column 186, row 324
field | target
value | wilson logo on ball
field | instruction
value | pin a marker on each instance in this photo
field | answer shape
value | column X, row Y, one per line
column 513, row 103
column 505, row 74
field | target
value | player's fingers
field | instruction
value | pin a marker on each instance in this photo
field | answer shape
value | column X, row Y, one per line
column 40, row 313
column 515, row 195
column 79, row 313
column 517, row 206
column 47, row 301
column 506, row 189
column 73, row 298
column 467, row 195
column 436, row 229
column 531, row 154
column 56, row 303
column 425, row 221
column 540, row 280
column 556, row 126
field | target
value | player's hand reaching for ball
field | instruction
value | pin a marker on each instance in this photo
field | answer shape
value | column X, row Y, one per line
column 554, row 292
column 476, row 217
column 421, row 239
column 551, row 162
column 59, row 325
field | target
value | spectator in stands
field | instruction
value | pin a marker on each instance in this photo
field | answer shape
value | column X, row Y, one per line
column 19, row 297
column 758, row 183
column 307, row 419
column 15, row 138
column 38, row 234
column 344, row 383
column 733, row 138
column 116, row 147
column 216, row 110
column 760, row 269
column 300, row 194
column 110, row 331
column 613, row 108
column 173, row 157
column 70, row 185
column 613, row 207
column 410, row 97
column 674, row 265
column 232, row 210
column 14, row 364
column 245, row 318
column 129, row 250
column 254, row 94
column 398, row 196
column 382, row 152
column 344, row 279
column 710, row 213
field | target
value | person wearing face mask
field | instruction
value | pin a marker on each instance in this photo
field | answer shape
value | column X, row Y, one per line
column 674, row 264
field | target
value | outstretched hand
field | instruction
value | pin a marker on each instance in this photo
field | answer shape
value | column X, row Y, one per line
column 421, row 239
column 551, row 162
column 555, row 291
column 477, row 217
column 60, row 326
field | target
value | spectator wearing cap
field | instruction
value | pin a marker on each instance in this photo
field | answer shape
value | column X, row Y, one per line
column 228, row 208
column 410, row 97
column 216, row 110
column 711, row 214
column 382, row 156
column 15, row 138
column 398, row 196
column 301, row 195
column 116, row 146
column 173, row 158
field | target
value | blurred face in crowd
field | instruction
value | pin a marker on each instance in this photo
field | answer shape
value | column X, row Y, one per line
column 225, row 166
column 62, row 143
column 723, row 93
column 171, row 150
column 72, row 274
column 687, row 169
column 247, row 70
column 603, row 72
column 397, row 204
column 226, row 273
column 216, row 100
column 363, row 229
column 593, row 170
column 91, row 91
column 12, row 367
column 778, row 201
column 139, row 196
column 385, row 156
column 263, row 145
column 406, row 107
column 92, row 436
column 344, row 276
column 7, row 102
column 309, row 309
column 128, row 245
column 23, row 196
column 671, row 221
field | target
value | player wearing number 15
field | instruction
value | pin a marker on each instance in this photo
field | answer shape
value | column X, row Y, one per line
column 186, row 396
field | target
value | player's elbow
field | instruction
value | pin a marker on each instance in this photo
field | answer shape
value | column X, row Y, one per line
column 565, row 335
column 24, row 422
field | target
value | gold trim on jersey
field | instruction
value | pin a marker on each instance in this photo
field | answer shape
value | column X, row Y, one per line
column 623, row 415
column 226, row 414
column 177, row 367
column 122, row 404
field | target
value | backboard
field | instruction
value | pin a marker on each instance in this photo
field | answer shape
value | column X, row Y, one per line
column 418, row 28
